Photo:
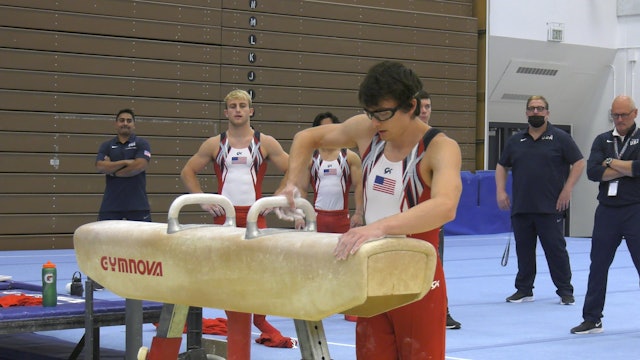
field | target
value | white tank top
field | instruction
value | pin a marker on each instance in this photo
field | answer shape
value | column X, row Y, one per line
column 383, row 186
column 239, row 178
column 330, row 186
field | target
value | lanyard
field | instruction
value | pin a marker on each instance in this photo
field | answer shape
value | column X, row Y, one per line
column 624, row 148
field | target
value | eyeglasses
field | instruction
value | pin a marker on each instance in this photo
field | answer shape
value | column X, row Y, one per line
column 382, row 114
column 536, row 108
column 622, row 116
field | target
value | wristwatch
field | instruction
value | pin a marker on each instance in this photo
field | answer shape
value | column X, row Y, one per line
column 607, row 162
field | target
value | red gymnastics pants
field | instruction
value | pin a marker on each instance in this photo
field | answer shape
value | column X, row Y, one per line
column 411, row 332
column 333, row 221
column 239, row 324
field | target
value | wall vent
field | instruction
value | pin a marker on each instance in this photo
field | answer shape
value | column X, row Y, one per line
column 536, row 71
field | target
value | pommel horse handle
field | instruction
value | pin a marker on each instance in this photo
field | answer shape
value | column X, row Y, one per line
column 173, row 224
column 278, row 202
column 311, row 336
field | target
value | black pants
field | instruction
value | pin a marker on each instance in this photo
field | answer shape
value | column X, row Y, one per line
column 548, row 227
column 611, row 224
column 139, row 215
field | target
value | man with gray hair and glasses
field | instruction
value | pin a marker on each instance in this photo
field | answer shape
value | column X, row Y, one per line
column 614, row 162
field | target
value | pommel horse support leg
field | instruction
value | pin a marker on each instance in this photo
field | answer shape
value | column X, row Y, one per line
column 278, row 272
column 166, row 344
column 312, row 340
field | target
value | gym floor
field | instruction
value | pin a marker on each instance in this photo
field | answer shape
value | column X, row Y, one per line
column 477, row 288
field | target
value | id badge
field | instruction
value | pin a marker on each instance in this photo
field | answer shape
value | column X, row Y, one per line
column 613, row 188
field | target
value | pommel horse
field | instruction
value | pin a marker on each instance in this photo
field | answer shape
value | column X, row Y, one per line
column 280, row 272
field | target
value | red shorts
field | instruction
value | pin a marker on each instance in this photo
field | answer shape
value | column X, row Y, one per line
column 333, row 221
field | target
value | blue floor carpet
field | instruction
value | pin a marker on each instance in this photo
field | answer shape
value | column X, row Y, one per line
column 477, row 287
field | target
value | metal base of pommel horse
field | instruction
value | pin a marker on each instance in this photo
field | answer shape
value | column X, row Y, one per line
column 311, row 337
column 166, row 343
column 278, row 272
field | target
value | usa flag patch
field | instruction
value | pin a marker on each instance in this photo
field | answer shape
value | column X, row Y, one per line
column 330, row 171
column 147, row 153
column 238, row 160
column 384, row 185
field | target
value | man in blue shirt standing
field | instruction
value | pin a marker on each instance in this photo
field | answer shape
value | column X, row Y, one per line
column 123, row 160
column 546, row 164
column 614, row 162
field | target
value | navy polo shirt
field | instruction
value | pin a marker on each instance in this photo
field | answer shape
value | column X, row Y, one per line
column 125, row 193
column 628, row 186
column 539, row 169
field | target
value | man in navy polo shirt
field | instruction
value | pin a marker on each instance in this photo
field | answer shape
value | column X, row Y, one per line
column 124, row 160
column 614, row 162
column 546, row 164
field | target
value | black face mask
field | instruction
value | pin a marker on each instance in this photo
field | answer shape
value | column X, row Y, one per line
column 536, row 120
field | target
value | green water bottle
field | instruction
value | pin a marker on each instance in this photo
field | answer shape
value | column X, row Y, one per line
column 49, row 289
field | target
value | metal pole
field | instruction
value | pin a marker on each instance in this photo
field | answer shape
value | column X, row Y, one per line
column 133, row 327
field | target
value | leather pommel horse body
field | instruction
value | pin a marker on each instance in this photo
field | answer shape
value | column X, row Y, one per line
column 263, row 271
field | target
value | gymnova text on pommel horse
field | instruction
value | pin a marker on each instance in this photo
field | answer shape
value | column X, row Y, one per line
column 282, row 272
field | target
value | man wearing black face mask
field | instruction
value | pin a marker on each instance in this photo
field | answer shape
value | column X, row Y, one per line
column 546, row 164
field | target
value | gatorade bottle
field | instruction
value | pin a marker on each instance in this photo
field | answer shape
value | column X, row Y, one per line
column 49, row 290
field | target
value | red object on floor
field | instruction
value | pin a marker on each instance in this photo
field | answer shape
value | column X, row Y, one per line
column 217, row 326
column 270, row 336
column 275, row 340
column 19, row 300
column 260, row 321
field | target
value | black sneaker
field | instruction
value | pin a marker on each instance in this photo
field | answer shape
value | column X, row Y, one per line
column 588, row 327
column 451, row 323
column 519, row 297
column 567, row 300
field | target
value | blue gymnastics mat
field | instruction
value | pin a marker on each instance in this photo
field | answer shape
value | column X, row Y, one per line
column 492, row 329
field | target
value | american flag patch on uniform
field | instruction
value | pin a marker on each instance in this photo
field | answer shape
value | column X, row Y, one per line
column 384, row 185
column 237, row 160
column 330, row 171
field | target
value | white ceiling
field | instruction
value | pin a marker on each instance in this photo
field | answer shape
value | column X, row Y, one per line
column 566, row 75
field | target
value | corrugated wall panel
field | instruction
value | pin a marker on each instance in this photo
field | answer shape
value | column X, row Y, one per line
column 66, row 67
